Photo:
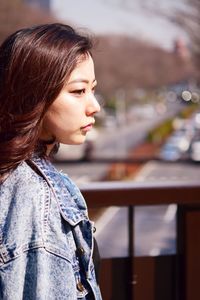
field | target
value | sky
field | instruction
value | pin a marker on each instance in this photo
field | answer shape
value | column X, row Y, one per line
column 121, row 17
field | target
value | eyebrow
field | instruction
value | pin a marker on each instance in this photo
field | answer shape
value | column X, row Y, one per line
column 81, row 80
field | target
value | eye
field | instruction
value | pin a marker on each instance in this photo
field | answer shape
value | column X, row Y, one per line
column 78, row 92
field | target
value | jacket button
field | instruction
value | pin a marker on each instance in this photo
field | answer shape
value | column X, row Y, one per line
column 80, row 251
column 80, row 287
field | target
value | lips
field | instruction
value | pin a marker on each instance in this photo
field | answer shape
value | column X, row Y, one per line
column 87, row 127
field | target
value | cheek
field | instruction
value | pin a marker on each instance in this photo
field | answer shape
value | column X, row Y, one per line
column 61, row 121
column 64, row 116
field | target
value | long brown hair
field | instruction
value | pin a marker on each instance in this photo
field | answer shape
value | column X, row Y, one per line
column 34, row 65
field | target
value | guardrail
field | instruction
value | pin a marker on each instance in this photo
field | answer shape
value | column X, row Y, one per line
column 174, row 277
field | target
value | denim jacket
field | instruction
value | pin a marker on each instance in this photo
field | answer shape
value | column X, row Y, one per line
column 46, row 238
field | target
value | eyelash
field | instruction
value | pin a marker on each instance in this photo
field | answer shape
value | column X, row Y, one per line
column 78, row 92
column 82, row 91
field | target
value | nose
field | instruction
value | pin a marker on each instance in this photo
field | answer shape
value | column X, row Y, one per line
column 93, row 106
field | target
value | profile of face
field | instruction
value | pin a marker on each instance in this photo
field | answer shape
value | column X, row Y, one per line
column 71, row 115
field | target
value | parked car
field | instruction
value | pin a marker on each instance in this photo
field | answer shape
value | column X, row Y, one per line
column 194, row 152
column 170, row 152
column 175, row 147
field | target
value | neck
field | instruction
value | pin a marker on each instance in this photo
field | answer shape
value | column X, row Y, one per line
column 49, row 148
column 3, row 177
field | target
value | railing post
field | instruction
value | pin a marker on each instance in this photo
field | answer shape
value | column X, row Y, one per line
column 131, row 251
column 188, row 252
column 180, row 244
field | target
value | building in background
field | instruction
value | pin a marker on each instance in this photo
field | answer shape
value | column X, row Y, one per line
column 44, row 4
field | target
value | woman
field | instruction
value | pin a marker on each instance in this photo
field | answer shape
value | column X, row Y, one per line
column 47, row 84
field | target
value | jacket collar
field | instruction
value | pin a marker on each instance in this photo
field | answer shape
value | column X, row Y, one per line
column 71, row 203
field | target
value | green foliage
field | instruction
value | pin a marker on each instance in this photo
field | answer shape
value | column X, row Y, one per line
column 186, row 113
column 162, row 131
column 159, row 133
column 111, row 104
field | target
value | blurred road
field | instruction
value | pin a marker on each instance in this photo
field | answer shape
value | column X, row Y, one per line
column 154, row 230
column 169, row 171
column 155, row 226
column 116, row 142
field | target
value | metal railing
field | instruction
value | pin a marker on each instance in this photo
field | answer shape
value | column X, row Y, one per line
column 184, row 267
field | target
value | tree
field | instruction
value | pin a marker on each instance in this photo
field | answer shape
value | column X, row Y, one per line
column 183, row 13
column 15, row 14
column 189, row 19
column 126, row 63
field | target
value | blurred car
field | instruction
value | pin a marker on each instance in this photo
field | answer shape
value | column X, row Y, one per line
column 175, row 147
column 170, row 152
column 194, row 152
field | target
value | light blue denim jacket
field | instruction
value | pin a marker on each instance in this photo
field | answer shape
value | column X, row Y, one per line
column 46, row 238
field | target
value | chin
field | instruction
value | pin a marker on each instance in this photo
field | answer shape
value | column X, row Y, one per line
column 77, row 142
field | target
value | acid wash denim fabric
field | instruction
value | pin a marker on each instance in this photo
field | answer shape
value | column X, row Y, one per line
column 43, row 221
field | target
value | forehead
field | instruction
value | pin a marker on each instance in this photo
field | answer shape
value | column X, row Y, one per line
column 83, row 69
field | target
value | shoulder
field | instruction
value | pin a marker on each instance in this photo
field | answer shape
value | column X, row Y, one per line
column 22, row 195
column 23, row 179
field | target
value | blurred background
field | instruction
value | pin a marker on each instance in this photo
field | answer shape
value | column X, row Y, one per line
column 147, row 58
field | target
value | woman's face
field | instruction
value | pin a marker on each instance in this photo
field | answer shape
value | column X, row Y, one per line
column 71, row 115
